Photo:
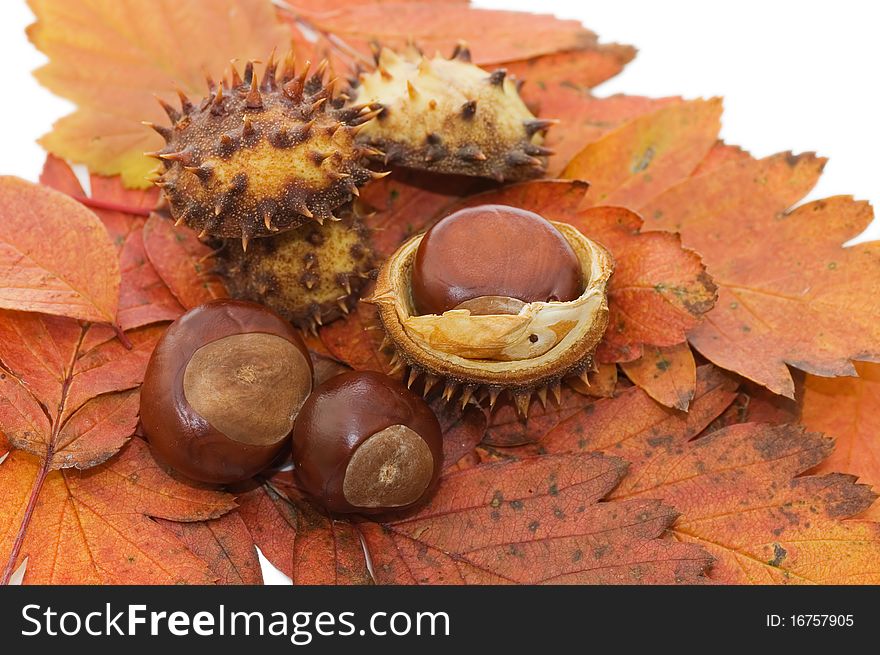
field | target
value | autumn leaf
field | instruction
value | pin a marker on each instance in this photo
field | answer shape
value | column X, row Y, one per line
column 668, row 375
column 493, row 36
column 357, row 341
column 55, row 255
column 777, row 269
column 848, row 409
column 94, row 528
column 224, row 544
column 143, row 296
column 304, row 542
column 110, row 56
column 647, row 155
column 584, row 118
column 601, row 383
column 507, row 429
column 182, row 262
column 658, row 291
column 735, row 488
column 538, row 520
column 408, row 202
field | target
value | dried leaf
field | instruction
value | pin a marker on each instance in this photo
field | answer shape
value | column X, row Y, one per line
column 778, row 270
column 226, row 546
column 93, row 527
column 182, row 261
column 143, row 296
column 648, row 155
column 109, row 57
column 357, row 341
column 584, row 118
column 462, row 430
column 658, row 291
column 52, row 368
column 848, row 409
column 408, row 202
column 533, row 521
column 600, row 384
column 305, row 543
column 735, row 488
column 493, row 36
column 668, row 375
column 55, row 255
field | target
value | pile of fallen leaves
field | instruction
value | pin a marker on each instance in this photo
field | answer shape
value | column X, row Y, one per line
column 730, row 433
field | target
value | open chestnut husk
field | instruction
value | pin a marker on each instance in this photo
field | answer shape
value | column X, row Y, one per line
column 222, row 389
column 364, row 443
column 502, row 341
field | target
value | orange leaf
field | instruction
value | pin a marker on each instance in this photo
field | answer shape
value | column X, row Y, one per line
column 182, row 261
column 93, row 527
column 507, row 429
column 575, row 70
column 778, row 270
column 55, row 256
column 735, row 488
column 668, row 375
column 533, row 521
column 357, row 341
column 63, row 364
column 601, row 383
column 110, row 57
column 848, row 409
column 648, row 155
column 224, row 544
column 493, row 36
column 584, row 118
column 304, row 542
column 143, row 297
column 658, row 291
column 407, row 202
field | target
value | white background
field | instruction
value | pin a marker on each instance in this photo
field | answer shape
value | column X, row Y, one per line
column 799, row 76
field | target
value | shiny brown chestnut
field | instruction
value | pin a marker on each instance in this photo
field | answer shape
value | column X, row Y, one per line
column 222, row 389
column 363, row 442
column 497, row 252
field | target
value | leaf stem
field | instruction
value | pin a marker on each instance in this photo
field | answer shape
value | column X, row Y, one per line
column 123, row 338
column 25, row 521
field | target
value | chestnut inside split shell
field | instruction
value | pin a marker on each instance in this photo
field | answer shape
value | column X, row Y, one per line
column 495, row 345
column 222, row 390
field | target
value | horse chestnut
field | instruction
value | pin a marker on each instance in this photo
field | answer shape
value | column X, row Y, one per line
column 493, row 251
column 363, row 442
column 222, row 389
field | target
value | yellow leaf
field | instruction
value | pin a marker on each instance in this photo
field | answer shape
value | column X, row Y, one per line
column 111, row 56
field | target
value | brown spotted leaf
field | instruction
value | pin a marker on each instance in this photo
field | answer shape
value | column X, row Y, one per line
column 94, row 527
column 778, row 269
column 848, row 409
column 110, row 56
column 668, row 375
column 735, row 488
column 532, row 521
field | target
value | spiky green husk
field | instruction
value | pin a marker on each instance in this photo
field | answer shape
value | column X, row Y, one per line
column 255, row 158
column 450, row 116
column 311, row 275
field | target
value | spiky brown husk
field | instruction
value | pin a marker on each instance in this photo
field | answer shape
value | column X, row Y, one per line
column 521, row 379
column 254, row 158
column 311, row 275
column 449, row 116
